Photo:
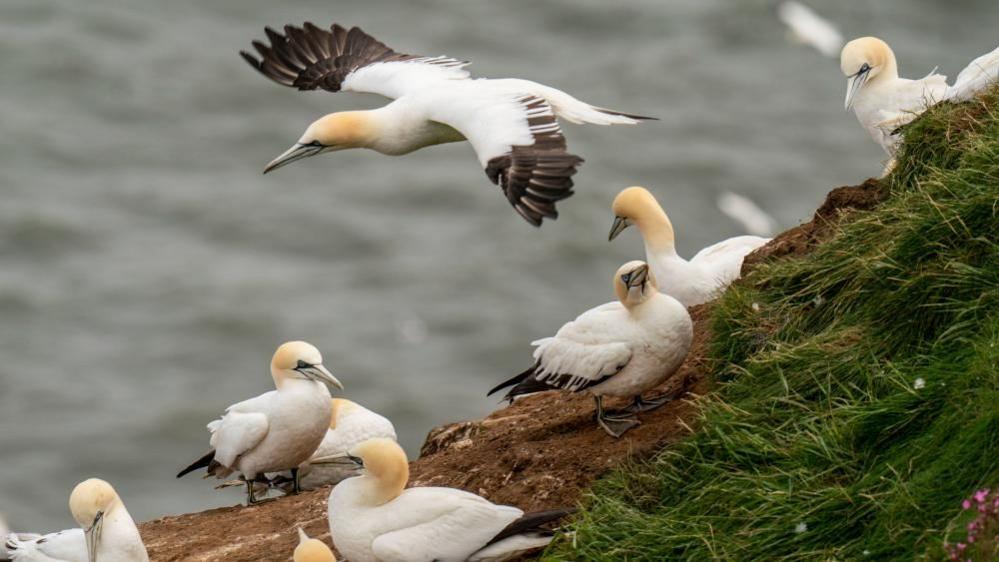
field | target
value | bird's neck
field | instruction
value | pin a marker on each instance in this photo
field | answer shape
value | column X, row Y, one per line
column 384, row 485
column 657, row 232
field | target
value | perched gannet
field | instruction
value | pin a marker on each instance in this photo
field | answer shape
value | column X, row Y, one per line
column 512, row 124
column 350, row 424
column 373, row 518
column 692, row 282
column 277, row 430
column 312, row 550
column 622, row 348
column 108, row 533
column 883, row 102
column 807, row 27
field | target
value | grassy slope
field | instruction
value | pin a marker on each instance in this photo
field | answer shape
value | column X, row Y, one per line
column 818, row 445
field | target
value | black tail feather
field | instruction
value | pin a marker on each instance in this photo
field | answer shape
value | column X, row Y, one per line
column 532, row 522
column 510, row 382
column 203, row 462
column 628, row 115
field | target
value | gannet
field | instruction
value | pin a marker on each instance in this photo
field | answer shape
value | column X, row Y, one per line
column 692, row 282
column 512, row 124
column 374, row 519
column 748, row 214
column 350, row 424
column 108, row 532
column 883, row 102
column 277, row 430
column 312, row 550
column 622, row 348
column 807, row 27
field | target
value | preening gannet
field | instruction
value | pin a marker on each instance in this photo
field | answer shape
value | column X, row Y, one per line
column 622, row 348
column 692, row 282
column 883, row 102
column 807, row 27
column 277, row 430
column 512, row 124
column 373, row 518
column 312, row 550
column 108, row 533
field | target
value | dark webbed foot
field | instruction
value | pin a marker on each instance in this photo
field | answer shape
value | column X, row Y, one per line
column 614, row 424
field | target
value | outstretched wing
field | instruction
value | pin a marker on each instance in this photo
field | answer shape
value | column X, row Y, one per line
column 337, row 59
column 518, row 141
column 981, row 73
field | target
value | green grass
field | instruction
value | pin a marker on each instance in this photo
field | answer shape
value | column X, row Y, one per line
column 817, row 443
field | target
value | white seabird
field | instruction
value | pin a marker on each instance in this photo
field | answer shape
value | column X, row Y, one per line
column 373, row 518
column 691, row 282
column 311, row 550
column 622, row 348
column 277, row 430
column 512, row 124
column 108, row 532
column 747, row 213
column 883, row 102
column 809, row 28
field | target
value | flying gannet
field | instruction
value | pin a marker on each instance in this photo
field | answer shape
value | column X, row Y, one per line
column 311, row 550
column 277, row 430
column 807, row 27
column 622, row 348
column 108, row 532
column 373, row 518
column 747, row 213
column 692, row 282
column 350, row 424
column 512, row 124
column 883, row 102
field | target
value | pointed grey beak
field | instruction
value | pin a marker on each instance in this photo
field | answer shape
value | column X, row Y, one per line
column 637, row 276
column 853, row 85
column 294, row 153
column 321, row 374
column 338, row 460
column 93, row 535
column 620, row 223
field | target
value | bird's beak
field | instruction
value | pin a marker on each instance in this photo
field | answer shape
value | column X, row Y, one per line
column 294, row 153
column 321, row 374
column 853, row 85
column 348, row 461
column 620, row 223
column 638, row 276
column 93, row 535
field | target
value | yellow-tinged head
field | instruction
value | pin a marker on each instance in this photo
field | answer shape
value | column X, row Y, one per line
column 863, row 61
column 312, row 550
column 300, row 360
column 637, row 206
column 336, row 131
column 385, row 462
column 634, row 283
column 90, row 503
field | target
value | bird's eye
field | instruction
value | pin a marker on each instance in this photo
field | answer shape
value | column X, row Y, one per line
column 626, row 278
column 356, row 460
column 864, row 68
column 302, row 364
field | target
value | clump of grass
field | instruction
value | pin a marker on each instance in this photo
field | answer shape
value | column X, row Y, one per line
column 858, row 401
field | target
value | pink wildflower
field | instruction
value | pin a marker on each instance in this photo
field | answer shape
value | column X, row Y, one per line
column 981, row 495
column 966, row 504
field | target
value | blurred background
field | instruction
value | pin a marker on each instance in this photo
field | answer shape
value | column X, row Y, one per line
column 148, row 270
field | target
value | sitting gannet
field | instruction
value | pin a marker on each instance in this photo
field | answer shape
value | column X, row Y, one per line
column 512, row 124
column 373, row 518
column 692, row 282
column 616, row 349
column 311, row 550
column 108, row 533
column 883, row 102
column 277, row 430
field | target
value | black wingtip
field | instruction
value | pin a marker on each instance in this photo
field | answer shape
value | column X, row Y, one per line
column 200, row 463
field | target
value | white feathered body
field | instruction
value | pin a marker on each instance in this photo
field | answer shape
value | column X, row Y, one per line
column 650, row 341
column 882, row 106
column 275, row 431
column 420, row 525
column 704, row 276
column 119, row 542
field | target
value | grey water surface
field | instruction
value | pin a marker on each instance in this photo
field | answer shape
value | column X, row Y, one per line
column 148, row 270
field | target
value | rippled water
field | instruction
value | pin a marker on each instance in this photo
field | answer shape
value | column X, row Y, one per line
column 148, row 270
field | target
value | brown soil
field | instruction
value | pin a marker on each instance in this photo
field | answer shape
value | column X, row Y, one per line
column 541, row 452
